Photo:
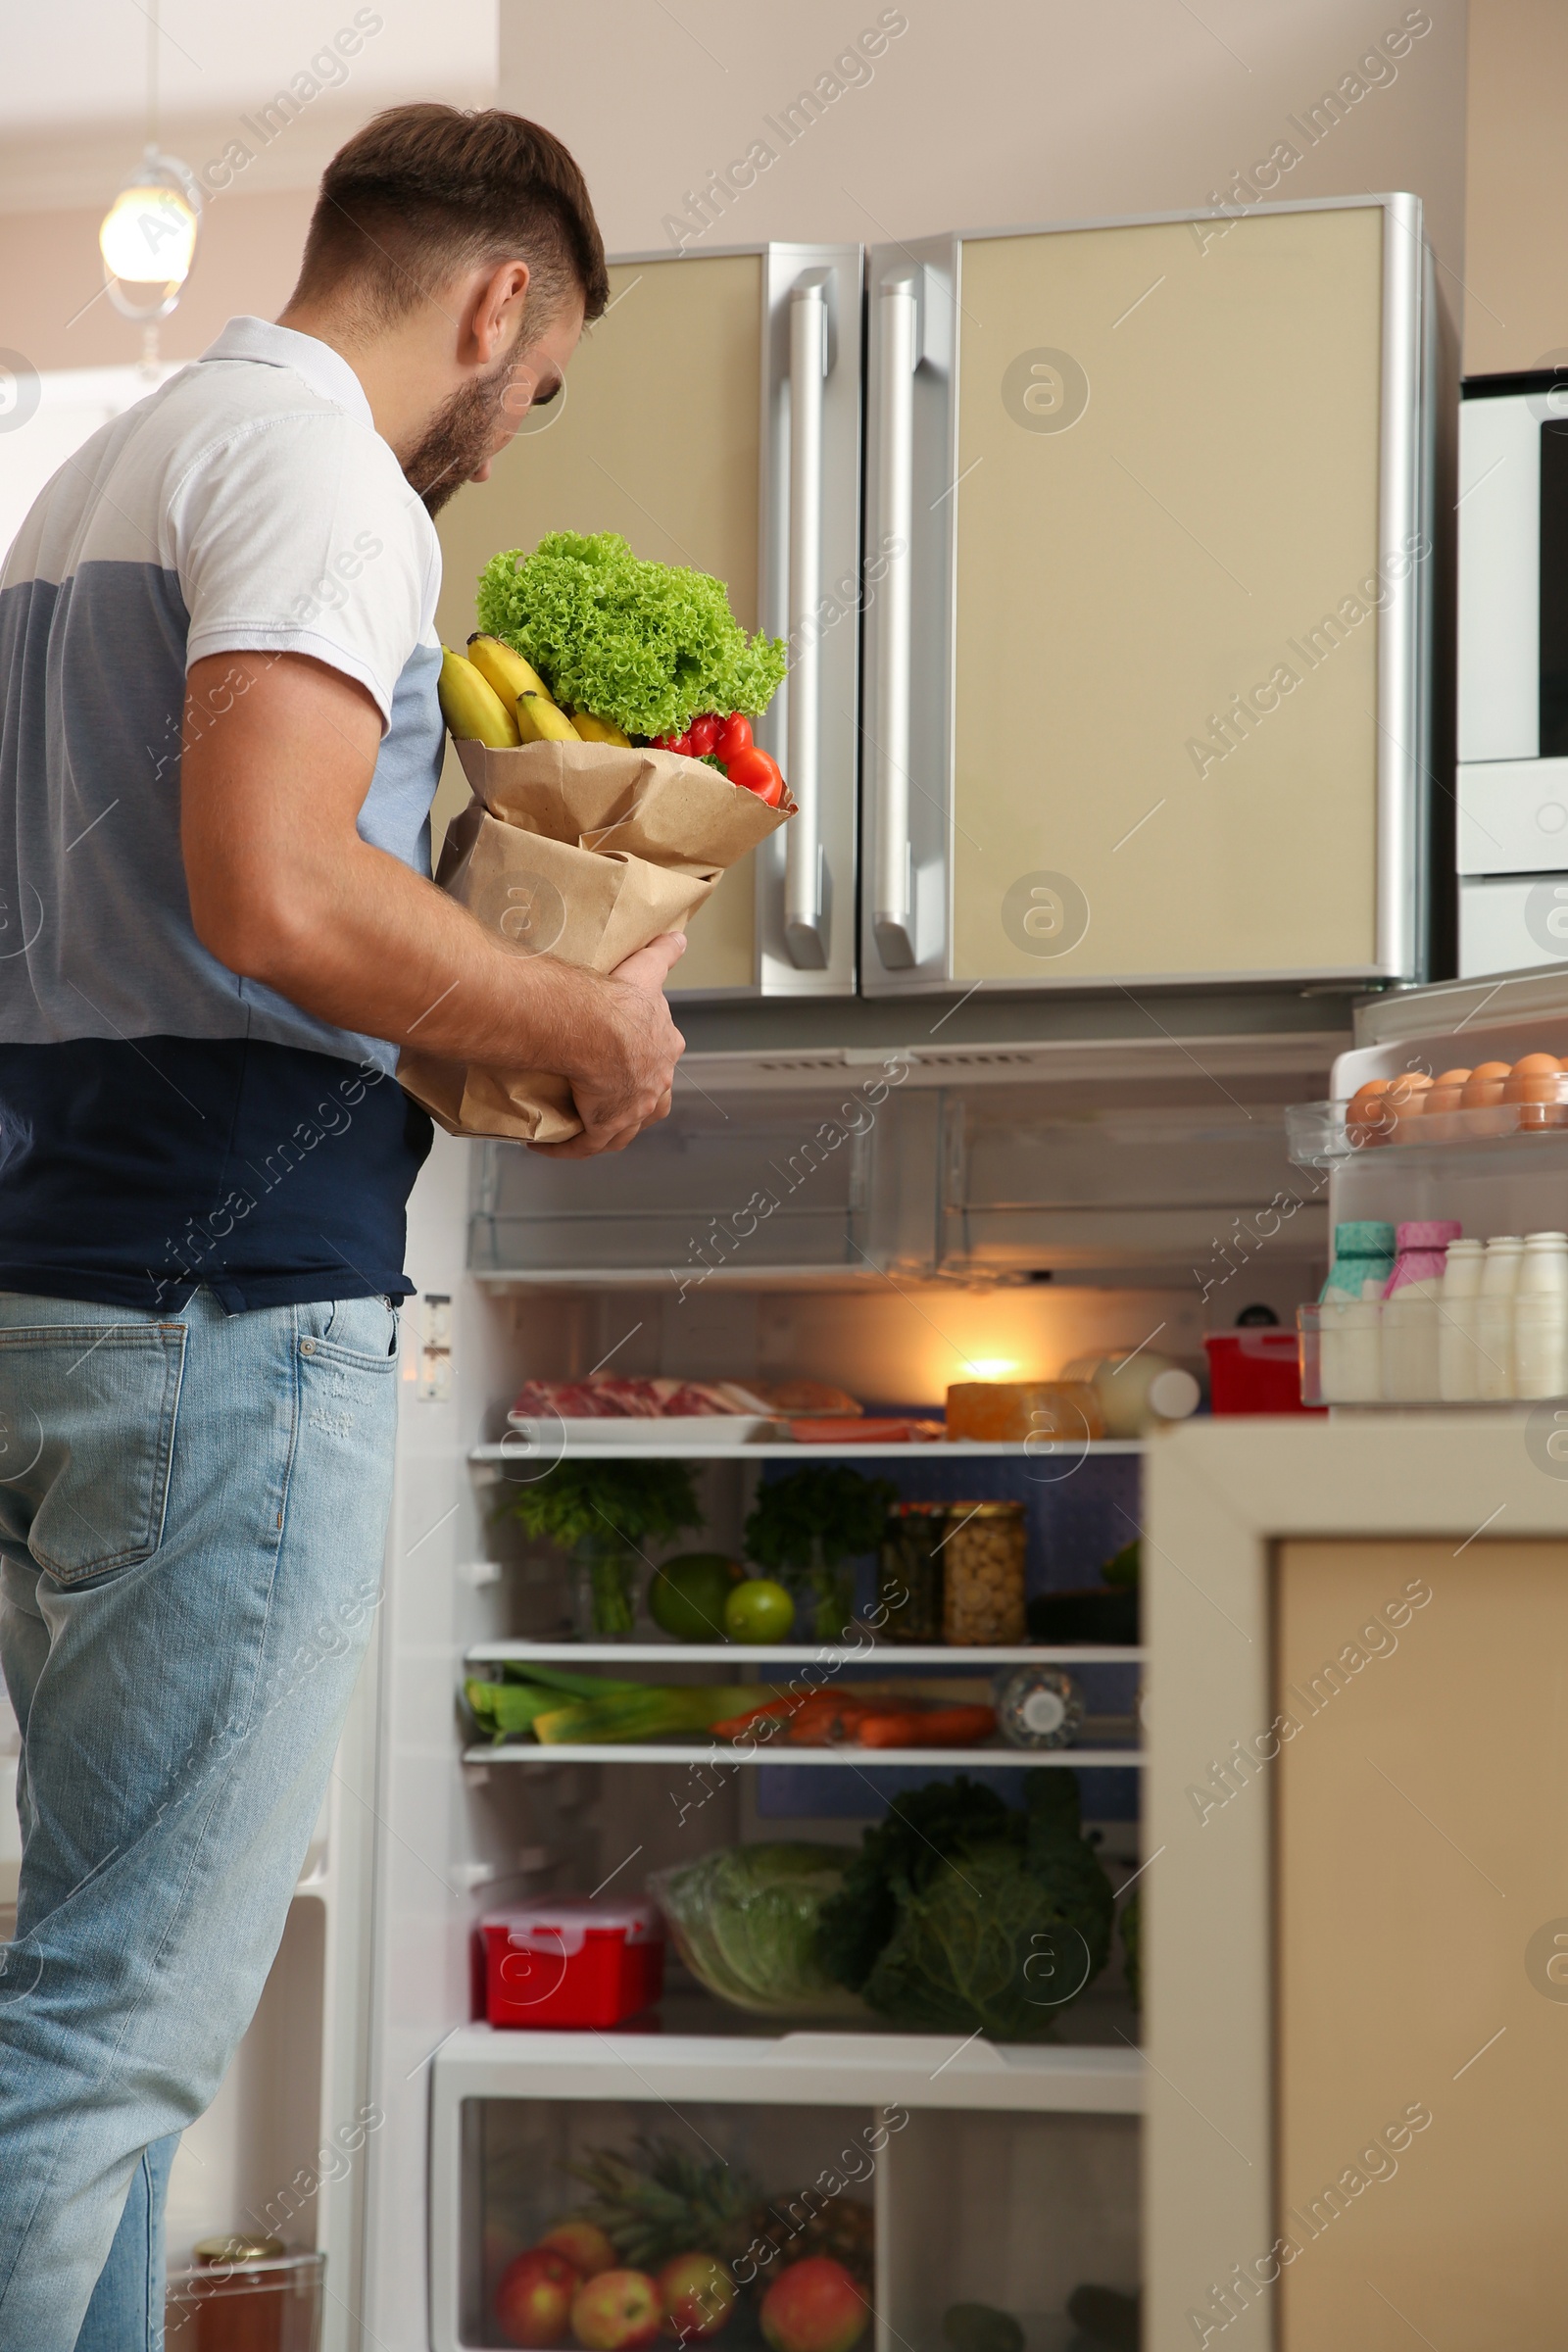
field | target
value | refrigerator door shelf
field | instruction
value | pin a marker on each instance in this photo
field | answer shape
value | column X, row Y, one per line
column 1152, row 567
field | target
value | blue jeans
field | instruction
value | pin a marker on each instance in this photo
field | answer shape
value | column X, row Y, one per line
column 192, row 1515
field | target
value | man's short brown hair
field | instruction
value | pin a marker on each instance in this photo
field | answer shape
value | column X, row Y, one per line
column 424, row 192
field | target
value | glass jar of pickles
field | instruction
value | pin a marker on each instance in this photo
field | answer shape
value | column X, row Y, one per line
column 983, row 1553
column 908, row 1583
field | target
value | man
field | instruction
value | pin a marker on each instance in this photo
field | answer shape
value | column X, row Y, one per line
column 219, row 745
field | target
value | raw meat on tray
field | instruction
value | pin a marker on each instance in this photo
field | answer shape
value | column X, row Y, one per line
column 609, row 1398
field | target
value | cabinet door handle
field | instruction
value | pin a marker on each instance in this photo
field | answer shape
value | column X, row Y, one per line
column 892, row 908
column 806, row 914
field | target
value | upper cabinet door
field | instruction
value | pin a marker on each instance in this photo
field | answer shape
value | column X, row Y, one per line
column 1144, row 693
column 711, row 417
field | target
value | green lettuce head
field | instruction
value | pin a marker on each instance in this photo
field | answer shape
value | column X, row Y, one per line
column 645, row 645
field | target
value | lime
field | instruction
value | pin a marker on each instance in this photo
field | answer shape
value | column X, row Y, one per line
column 687, row 1594
column 760, row 1610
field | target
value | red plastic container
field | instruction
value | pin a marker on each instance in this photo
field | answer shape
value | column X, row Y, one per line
column 1255, row 1371
column 567, row 1960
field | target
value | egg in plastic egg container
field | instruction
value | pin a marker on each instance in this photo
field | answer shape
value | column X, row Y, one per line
column 1459, row 1105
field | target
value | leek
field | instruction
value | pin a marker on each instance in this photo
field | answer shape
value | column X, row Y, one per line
column 557, row 1678
column 507, row 1709
column 647, row 1710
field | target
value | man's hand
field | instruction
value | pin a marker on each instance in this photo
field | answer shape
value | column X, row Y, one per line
column 628, row 1088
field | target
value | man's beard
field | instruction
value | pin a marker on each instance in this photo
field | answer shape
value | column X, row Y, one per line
column 457, row 439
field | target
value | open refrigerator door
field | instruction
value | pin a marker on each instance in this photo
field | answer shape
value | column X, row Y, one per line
column 1444, row 1142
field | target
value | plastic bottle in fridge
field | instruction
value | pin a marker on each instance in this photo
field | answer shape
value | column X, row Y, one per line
column 1351, row 1312
column 1500, row 1279
column 1541, row 1317
column 1410, row 1316
column 1459, row 1309
column 1138, row 1391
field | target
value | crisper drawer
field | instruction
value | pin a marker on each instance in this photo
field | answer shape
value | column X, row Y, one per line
column 747, row 1187
column 753, row 2154
column 1099, row 1176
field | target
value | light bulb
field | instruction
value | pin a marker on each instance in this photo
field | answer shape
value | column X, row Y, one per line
column 994, row 1367
column 149, row 235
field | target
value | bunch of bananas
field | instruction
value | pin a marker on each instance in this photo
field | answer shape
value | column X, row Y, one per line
column 495, row 698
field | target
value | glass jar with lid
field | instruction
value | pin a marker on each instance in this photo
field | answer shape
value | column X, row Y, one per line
column 246, row 2294
column 983, row 1556
column 908, row 1585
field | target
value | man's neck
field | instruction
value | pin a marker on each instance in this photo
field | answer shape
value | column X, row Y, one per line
column 389, row 365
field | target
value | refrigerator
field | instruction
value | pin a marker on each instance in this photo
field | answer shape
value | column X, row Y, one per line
column 1101, row 1187
column 1106, row 575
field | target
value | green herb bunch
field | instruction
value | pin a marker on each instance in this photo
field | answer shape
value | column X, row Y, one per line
column 607, row 1502
column 604, row 1511
column 806, row 1525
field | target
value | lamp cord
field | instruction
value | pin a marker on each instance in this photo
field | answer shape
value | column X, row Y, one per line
column 152, row 75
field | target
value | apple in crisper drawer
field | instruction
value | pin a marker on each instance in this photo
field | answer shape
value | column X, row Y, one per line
column 584, row 2244
column 698, row 2294
column 814, row 2306
column 533, row 2298
column 619, row 2311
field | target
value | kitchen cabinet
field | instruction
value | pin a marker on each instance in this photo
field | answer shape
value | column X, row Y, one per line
column 713, row 417
column 1355, row 1925
column 1145, row 700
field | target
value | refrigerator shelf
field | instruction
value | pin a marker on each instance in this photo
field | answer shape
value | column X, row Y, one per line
column 767, row 1654
column 1512, row 1137
column 843, row 2067
column 846, row 1758
column 945, row 1449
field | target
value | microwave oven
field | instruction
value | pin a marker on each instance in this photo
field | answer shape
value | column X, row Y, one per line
column 1511, row 832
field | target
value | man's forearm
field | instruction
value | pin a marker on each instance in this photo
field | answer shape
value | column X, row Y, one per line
column 382, row 951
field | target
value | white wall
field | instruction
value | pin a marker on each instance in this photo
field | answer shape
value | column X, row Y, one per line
column 44, row 419
column 1516, row 235
column 987, row 115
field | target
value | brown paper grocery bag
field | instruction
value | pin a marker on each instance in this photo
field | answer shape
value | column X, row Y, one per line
column 587, row 851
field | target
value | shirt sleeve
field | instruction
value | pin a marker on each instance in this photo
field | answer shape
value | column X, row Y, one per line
column 300, row 535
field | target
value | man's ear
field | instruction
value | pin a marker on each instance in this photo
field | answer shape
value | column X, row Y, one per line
column 496, row 308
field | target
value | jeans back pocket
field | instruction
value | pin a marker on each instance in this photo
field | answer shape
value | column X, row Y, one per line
column 87, row 1414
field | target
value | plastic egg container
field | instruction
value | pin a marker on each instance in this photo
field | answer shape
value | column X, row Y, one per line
column 1461, row 1105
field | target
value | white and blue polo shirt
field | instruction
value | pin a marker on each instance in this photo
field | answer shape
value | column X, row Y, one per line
column 165, row 1123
